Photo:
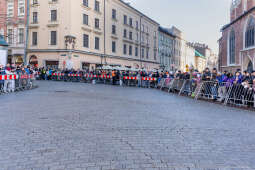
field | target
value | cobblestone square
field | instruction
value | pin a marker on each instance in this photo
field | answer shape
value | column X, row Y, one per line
column 75, row 126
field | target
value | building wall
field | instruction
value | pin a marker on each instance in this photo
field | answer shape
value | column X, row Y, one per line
column 3, row 17
column 14, row 28
column 166, row 49
column 70, row 22
column 242, row 55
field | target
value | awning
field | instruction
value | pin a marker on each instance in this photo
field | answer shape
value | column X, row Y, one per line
column 198, row 54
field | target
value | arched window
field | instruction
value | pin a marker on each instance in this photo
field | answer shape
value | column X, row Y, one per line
column 232, row 46
column 249, row 34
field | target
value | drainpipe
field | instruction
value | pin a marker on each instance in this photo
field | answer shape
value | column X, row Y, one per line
column 104, row 35
column 27, row 31
column 141, row 42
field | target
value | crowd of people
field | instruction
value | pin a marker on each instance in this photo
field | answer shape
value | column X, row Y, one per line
column 216, row 85
column 246, row 78
column 10, row 85
column 242, row 83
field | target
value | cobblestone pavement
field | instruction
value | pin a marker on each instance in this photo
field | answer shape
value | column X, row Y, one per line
column 69, row 126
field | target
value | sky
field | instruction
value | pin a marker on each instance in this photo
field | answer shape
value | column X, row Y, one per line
column 199, row 20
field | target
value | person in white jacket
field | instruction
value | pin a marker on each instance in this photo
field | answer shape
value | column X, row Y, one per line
column 9, row 85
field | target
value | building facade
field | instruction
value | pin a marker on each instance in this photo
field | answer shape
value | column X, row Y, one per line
column 200, row 61
column 91, row 33
column 166, row 49
column 188, row 57
column 178, row 47
column 13, row 27
column 237, row 44
column 3, row 13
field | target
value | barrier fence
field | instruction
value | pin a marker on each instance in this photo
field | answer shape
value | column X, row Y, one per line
column 241, row 95
column 147, row 82
column 16, row 82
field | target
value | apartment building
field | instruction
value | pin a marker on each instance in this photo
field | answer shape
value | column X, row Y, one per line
column 166, row 49
column 91, row 33
column 13, row 28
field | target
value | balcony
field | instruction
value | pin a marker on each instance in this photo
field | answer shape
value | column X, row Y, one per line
column 115, row 19
column 85, row 7
column 34, row 25
column 137, row 42
column 143, row 44
column 34, row 4
column 97, row 31
column 53, row 23
column 125, row 39
column 114, row 36
column 86, row 28
column 53, row 2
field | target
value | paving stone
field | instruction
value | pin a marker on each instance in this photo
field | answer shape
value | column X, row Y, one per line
column 103, row 127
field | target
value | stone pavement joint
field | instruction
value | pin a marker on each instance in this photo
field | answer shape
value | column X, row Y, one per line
column 111, row 128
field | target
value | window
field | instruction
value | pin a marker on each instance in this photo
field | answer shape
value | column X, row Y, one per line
column 125, row 19
column 53, row 38
column 113, row 46
column 130, row 35
column 124, row 49
column 86, row 40
column 125, row 33
column 10, row 9
column 97, row 6
column 113, row 29
column 136, row 51
column 114, row 14
column 10, row 36
column 137, row 25
column 97, row 43
column 147, row 53
column 35, row 2
column 232, row 47
column 35, row 17
column 53, row 15
column 142, row 52
column 97, row 23
column 131, row 22
column 130, row 50
column 21, row 35
column 86, row 3
column 249, row 33
column 34, row 38
column 85, row 19
column 21, row 7
column 155, row 54
column 137, row 36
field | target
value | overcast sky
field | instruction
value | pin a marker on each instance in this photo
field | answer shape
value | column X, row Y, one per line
column 200, row 20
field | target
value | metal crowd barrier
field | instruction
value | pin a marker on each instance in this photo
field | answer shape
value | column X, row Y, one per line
column 227, row 93
column 148, row 82
column 12, row 83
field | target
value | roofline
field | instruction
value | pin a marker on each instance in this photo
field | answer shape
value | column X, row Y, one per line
column 240, row 17
column 162, row 29
column 142, row 14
